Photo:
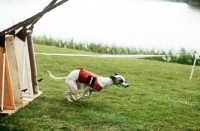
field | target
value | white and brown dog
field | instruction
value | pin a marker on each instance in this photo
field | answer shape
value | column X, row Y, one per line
column 89, row 81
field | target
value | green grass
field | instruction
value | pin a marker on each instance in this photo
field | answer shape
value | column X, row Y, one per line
column 160, row 97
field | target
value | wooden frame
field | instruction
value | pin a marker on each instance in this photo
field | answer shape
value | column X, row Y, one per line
column 17, row 75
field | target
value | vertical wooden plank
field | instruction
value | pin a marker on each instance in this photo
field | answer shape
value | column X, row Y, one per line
column 28, row 74
column 8, row 90
column 8, row 93
column 24, row 67
column 14, row 73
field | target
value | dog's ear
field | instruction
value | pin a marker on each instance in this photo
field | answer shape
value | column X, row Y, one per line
column 116, row 73
column 113, row 78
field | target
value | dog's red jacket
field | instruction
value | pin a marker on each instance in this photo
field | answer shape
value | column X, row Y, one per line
column 89, row 79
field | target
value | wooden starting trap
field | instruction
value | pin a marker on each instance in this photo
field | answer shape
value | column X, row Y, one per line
column 17, row 87
column 18, row 73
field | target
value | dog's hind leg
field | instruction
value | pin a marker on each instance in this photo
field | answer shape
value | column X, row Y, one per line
column 72, row 89
column 67, row 93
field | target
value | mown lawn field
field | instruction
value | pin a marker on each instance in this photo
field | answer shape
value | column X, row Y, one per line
column 160, row 97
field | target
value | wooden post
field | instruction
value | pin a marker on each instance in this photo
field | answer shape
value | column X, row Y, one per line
column 3, row 79
column 32, row 63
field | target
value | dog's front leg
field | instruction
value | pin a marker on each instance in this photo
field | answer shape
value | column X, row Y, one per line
column 83, row 94
column 89, row 94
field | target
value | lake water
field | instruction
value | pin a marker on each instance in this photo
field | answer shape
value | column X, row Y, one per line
column 131, row 23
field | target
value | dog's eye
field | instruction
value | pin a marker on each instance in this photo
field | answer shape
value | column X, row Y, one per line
column 121, row 81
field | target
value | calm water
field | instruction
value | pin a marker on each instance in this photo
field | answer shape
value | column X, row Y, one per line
column 131, row 23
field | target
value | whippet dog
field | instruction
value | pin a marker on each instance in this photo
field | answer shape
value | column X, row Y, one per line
column 80, row 78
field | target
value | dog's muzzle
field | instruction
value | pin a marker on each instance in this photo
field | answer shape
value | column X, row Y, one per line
column 125, row 85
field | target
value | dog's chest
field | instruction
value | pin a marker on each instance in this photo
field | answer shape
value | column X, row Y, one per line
column 89, row 79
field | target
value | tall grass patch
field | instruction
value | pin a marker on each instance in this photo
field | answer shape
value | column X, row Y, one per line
column 182, row 56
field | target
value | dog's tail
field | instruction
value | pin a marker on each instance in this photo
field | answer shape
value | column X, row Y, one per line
column 57, row 78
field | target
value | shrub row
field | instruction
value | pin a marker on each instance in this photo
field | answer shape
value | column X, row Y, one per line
column 182, row 56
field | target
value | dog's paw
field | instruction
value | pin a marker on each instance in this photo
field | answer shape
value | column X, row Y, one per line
column 69, row 99
column 78, row 99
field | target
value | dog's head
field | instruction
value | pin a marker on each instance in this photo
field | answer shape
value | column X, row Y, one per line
column 119, row 80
